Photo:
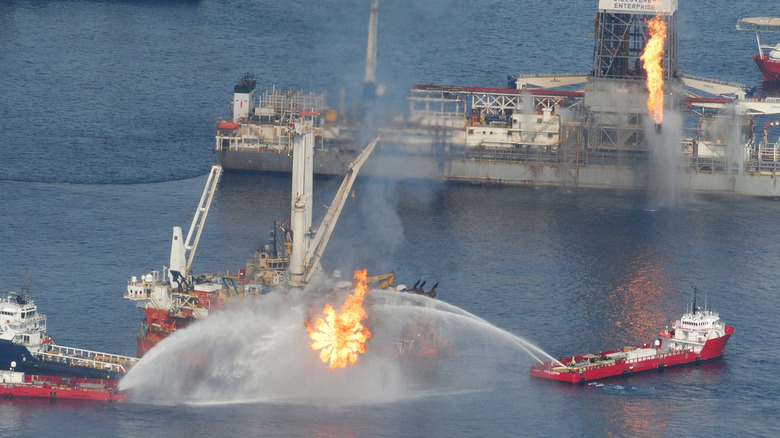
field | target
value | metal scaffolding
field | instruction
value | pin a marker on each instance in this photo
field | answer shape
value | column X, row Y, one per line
column 621, row 39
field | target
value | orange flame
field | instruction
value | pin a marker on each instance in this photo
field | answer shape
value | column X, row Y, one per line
column 341, row 336
column 652, row 56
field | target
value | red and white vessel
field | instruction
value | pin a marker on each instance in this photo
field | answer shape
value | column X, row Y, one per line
column 173, row 298
column 26, row 347
column 769, row 63
column 17, row 384
column 698, row 336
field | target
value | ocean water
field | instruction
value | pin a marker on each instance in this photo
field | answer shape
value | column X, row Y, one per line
column 106, row 116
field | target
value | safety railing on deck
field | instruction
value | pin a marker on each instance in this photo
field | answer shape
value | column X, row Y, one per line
column 93, row 359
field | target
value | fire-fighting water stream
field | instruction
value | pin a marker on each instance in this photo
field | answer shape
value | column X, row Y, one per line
column 259, row 350
column 85, row 132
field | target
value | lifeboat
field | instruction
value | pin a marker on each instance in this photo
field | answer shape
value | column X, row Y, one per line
column 228, row 126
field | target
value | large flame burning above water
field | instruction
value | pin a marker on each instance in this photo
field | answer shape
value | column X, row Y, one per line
column 652, row 56
column 341, row 336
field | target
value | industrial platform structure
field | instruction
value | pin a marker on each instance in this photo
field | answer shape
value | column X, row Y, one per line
column 590, row 130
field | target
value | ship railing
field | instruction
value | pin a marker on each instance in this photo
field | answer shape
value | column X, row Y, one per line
column 79, row 361
column 511, row 152
column 757, row 166
column 39, row 320
column 72, row 361
column 615, row 157
column 138, row 295
column 96, row 359
column 278, row 144
column 508, row 152
column 710, row 164
column 533, row 153
column 608, row 362
column 703, row 328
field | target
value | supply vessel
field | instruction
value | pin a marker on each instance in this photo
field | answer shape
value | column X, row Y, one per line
column 570, row 129
column 698, row 336
column 25, row 346
column 17, row 384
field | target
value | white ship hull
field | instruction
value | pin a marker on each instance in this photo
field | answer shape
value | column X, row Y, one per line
column 489, row 171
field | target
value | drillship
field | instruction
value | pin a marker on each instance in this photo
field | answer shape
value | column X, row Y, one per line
column 589, row 130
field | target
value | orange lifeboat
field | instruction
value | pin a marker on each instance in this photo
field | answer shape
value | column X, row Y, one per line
column 230, row 126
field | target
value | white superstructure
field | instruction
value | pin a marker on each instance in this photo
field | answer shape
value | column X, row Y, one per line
column 693, row 329
column 21, row 324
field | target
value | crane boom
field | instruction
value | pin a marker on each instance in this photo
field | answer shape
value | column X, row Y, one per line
column 317, row 246
column 202, row 211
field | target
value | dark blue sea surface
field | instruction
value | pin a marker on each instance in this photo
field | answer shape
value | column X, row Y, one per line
column 106, row 123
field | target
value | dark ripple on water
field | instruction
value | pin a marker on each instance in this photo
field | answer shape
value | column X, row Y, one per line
column 101, row 161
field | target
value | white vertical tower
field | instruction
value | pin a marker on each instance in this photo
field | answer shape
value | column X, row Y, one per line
column 371, row 46
column 301, row 197
column 178, row 256
column 369, row 80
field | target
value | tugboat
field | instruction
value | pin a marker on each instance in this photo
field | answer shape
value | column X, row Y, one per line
column 18, row 384
column 698, row 336
column 25, row 346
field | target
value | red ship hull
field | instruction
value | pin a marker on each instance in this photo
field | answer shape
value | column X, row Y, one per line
column 769, row 68
column 157, row 326
column 63, row 388
column 600, row 369
column 145, row 343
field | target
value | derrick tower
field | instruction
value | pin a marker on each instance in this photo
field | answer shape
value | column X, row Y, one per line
column 616, row 97
column 621, row 36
